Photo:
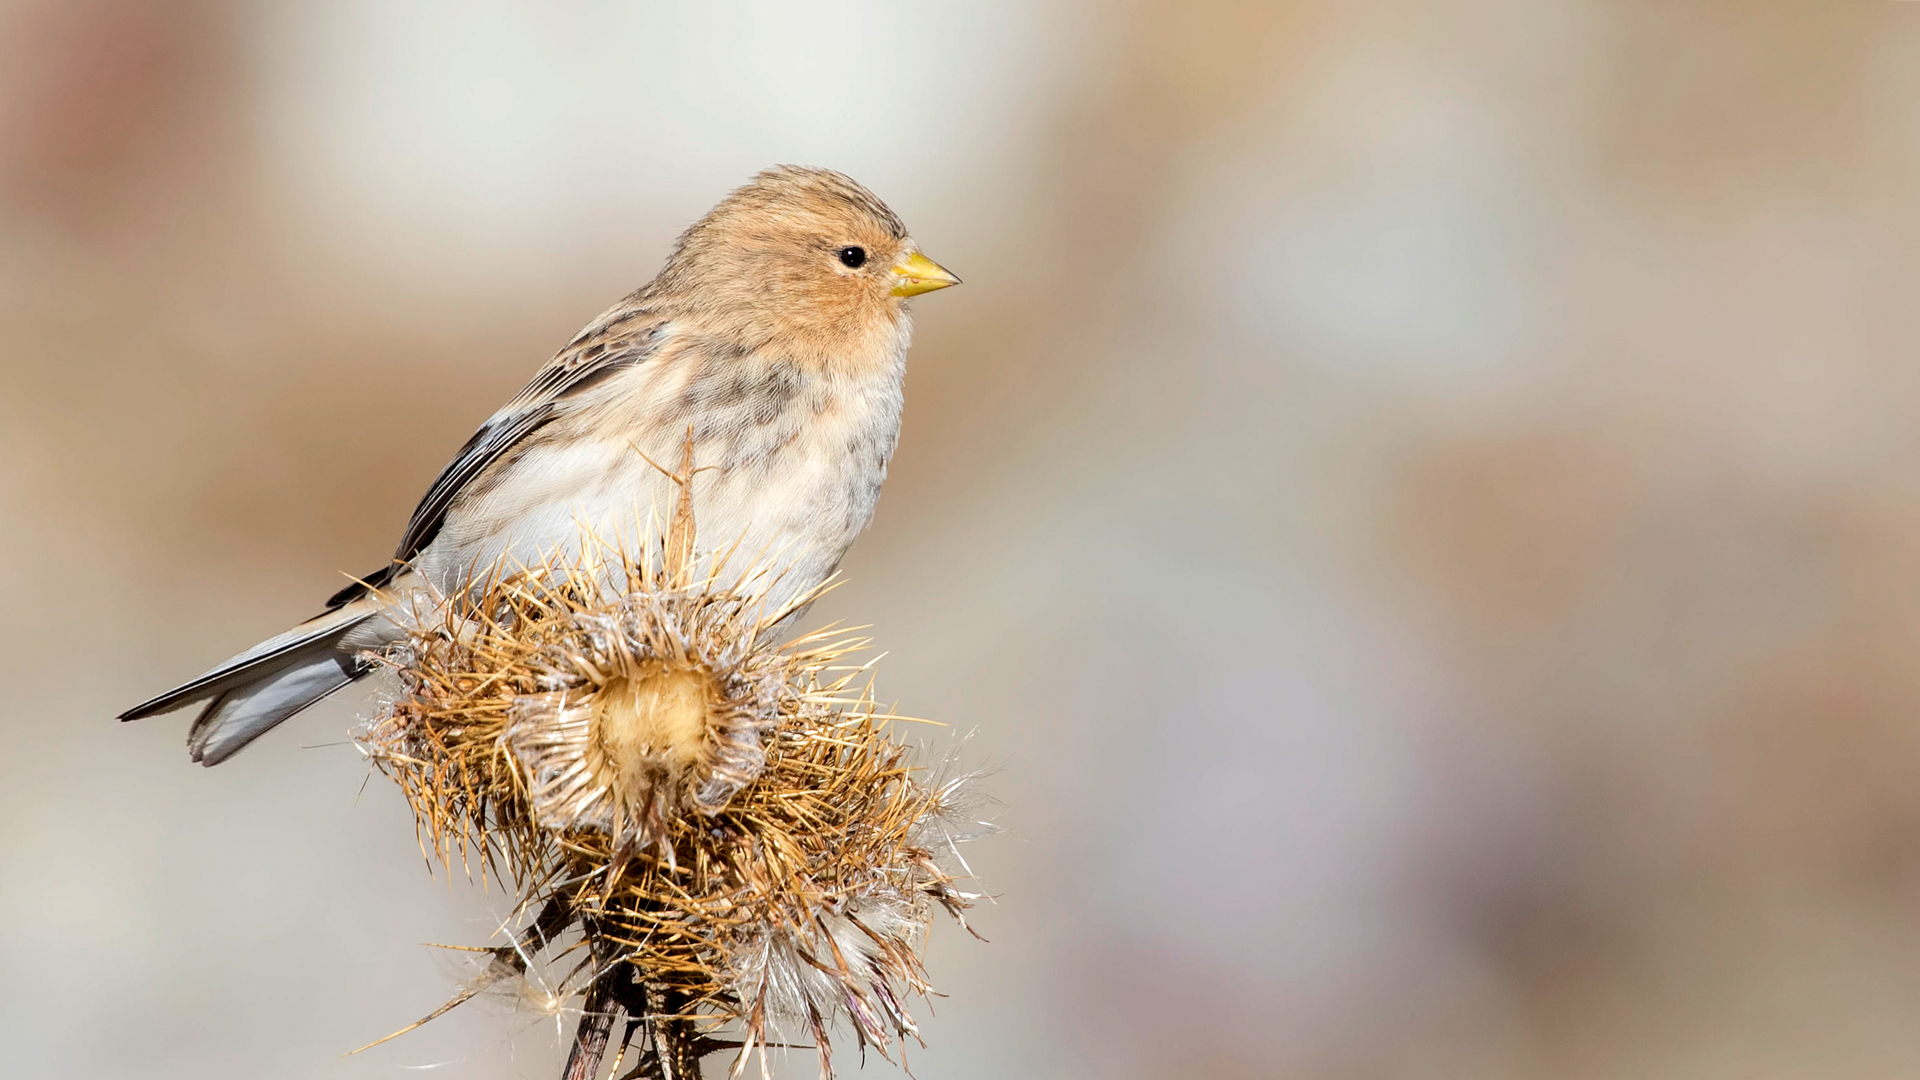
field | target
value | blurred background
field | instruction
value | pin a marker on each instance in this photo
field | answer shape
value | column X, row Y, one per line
column 1421, row 502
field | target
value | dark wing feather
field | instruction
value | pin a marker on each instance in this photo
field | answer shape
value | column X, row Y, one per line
column 617, row 340
column 494, row 439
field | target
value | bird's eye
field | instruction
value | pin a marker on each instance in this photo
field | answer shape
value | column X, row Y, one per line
column 854, row 257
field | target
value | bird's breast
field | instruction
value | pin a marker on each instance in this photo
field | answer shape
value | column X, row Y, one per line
column 788, row 467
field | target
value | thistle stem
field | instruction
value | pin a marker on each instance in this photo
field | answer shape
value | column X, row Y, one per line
column 590, row 1039
column 672, row 1047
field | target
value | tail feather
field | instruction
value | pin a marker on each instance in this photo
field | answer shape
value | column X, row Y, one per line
column 268, row 683
column 244, row 713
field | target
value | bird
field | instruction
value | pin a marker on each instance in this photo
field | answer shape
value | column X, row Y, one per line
column 772, row 343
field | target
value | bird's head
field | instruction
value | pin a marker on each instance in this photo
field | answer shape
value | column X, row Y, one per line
column 804, row 262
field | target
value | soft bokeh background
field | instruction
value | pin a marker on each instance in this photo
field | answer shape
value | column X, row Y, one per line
column 1421, row 501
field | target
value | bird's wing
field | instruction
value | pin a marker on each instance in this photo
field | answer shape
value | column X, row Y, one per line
column 617, row 340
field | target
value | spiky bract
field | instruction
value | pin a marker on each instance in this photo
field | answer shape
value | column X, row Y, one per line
column 720, row 811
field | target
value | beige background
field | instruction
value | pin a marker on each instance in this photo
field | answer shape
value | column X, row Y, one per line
column 1421, row 502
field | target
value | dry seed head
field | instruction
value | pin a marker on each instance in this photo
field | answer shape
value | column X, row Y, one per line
column 652, row 704
column 721, row 812
column 652, row 722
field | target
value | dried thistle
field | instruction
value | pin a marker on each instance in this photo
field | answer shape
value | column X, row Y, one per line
column 708, row 824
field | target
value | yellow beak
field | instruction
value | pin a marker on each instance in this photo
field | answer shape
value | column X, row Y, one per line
column 919, row 274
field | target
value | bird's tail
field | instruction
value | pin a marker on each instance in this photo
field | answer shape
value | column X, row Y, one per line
column 249, row 694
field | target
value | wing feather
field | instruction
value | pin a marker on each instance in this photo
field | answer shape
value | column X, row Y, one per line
column 618, row 340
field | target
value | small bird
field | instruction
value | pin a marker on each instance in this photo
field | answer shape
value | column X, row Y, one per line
column 773, row 341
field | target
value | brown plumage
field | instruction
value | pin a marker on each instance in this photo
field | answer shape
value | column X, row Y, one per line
column 776, row 334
